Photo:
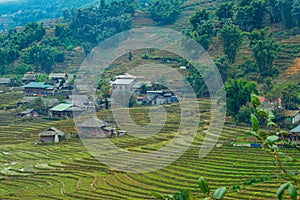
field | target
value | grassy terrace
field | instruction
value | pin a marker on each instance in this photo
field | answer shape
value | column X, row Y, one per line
column 68, row 171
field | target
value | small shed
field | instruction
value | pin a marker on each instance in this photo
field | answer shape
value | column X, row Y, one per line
column 51, row 135
column 294, row 134
column 29, row 113
column 95, row 128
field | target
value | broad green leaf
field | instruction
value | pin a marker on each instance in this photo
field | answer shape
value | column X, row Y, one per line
column 252, row 133
column 203, row 185
column 284, row 133
column 272, row 124
column 271, row 116
column 281, row 190
column 292, row 191
column 160, row 197
column 261, row 112
column 219, row 193
column 254, row 122
column 270, row 140
column 275, row 147
column 255, row 100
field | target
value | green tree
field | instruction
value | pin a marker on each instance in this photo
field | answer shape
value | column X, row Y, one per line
column 225, row 11
column 243, row 116
column 264, row 50
column 251, row 14
column 232, row 39
column 290, row 96
column 203, row 28
column 164, row 11
column 198, row 16
column 224, row 67
column 40, row 106
column 237, row 94
column 296, row 11
column 275, row 13
column 286, row 8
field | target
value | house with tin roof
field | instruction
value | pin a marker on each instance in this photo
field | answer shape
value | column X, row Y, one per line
column 123, row 82
column 38, row 89
column 5, row 81
column 65, row 110
column 29, row 77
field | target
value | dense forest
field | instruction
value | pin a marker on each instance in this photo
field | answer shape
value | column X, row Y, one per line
column 88, row 26
column 25, row 11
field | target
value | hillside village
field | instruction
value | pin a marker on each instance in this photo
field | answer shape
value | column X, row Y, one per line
column 48, row 124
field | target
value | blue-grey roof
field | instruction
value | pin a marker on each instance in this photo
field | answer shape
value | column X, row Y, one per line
column 123, row 81
column 296, row 129
column 38, row 85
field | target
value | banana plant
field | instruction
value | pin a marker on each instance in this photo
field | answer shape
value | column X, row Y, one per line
column 269, row 144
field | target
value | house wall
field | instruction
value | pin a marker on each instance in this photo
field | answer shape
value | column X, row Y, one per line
column 296, row 118
column 118, row 88
column 47, row 139
column 292, row 120
column 90, row 132
column 34, row 91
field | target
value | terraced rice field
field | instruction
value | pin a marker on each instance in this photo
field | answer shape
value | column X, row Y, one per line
column 68, row 171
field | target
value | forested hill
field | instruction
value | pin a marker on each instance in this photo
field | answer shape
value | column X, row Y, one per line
column 250, row 39
column 36, row 48
column 16, row 13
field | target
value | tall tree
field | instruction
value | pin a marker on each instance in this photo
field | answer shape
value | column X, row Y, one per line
column 225, row 10
column 238, row 94
column 164, row 11
column 264, row 50
column 286, row 7
column 232, row 39
column 251, row 14
column 202, row 30
column 296, row 11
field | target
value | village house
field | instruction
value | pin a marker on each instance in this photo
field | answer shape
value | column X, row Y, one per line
column 51, row 135
column 29, row 113
column 291, row 116
column 270, row 105
column 5, row 81
column 81, row 101
column 49, row 102
column 65, row 110
column 293, row 136
column 95, row 128
column 123, row 83
column 160, row 97
column 138, row 85
column 29, row 77
column 57, row 77
column 38, row 89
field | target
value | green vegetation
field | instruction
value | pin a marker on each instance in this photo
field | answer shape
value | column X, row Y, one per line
column 68, row 171
column 164, row 11
column 35, row 10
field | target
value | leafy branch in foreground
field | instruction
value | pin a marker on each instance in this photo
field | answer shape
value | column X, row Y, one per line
column 187, row 195
column 270, row 143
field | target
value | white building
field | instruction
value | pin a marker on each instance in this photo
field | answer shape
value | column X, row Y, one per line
column 123, row 83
